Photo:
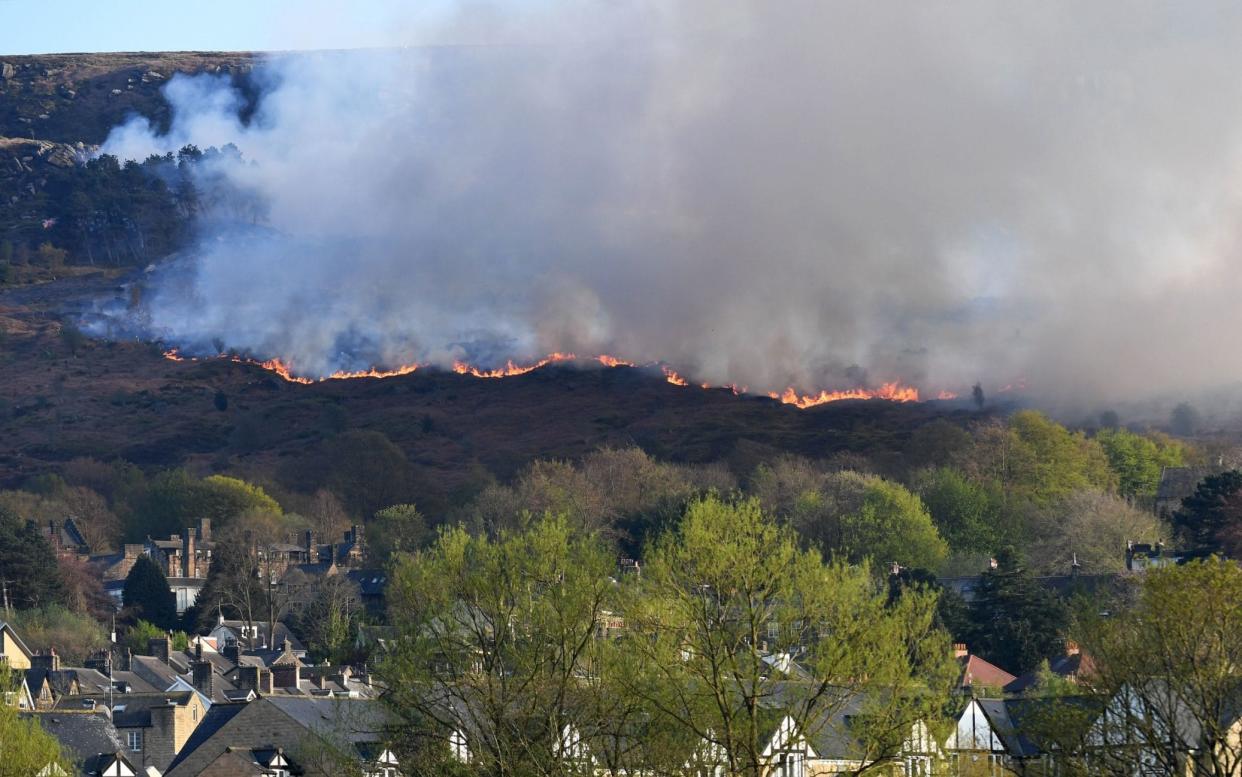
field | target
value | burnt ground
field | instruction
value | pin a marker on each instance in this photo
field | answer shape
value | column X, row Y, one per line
column 64, row 396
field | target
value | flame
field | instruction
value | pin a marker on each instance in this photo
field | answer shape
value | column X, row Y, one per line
column 894, row 392
column 673, row 377
column 511, row 369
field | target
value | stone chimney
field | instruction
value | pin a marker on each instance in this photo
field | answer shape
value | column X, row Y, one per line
column 959, row 650
column 189, row 565
column 133, row 551
column 1071, row 648
column 204, row 530
column 308, row 541
column 160, row 647
column 125, row 659
column 204, row 678
column 100, row 661
column 231, row 650
column 53, row 536
column 49, row 660
column 256, row 678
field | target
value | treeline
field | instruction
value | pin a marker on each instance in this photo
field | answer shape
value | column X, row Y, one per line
column 530, row 652
column 106, row 212
column 1025, row 491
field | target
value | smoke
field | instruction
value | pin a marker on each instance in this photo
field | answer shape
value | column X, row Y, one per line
column 807, row 193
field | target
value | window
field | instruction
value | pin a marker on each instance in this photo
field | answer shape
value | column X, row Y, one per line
column 134, row 738
column 791, row 765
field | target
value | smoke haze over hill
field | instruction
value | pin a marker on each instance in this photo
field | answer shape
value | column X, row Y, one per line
column 799, row 193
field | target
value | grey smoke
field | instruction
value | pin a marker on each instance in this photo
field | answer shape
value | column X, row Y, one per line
column 805, row 193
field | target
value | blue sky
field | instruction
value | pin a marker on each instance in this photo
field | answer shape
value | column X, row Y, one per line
column 44, row 26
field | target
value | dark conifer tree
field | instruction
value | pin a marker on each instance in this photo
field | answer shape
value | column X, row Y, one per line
column 31, row 576
column 148, row 596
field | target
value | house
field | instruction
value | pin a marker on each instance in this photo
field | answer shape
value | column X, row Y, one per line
column 233, row 636
column 980, row 675
column 153, row 727
column 274, row 735
column 66, row 539
column 1070, row 667
column 90, row 739
column 1177, row 483
column 372, row 584
column 13, row 652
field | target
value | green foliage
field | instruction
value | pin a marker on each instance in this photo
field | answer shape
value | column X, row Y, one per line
column 28, row 564
column 1211, row 517
column 147, row 595
column 27, row 748
column 1138, row 460
column 937, row 444
column 500, row 628
column 176, row 500
column 892, row 524
column 329, row 622
column 396, row 529
column 1014, row 622
column 73, row 635
column 1048, row 461
column 1174, row 654
column 727, row 579
column 965, row 512
column 1090, row 527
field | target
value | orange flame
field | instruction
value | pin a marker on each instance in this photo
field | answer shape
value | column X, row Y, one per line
column 894, row 392
column 674, row 378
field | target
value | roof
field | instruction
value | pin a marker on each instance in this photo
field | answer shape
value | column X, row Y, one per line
column 131, row 710
column 976, row 671
column 4, row 626
column 216, row 719
column 371, row 582
column 1067, row 666
column 1177, row 483
column 83, row 734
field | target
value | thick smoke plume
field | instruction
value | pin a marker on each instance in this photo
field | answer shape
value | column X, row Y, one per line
column 821, row 194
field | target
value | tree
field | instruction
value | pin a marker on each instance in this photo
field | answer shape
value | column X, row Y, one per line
column 1171, row 668
column 965, row 512
column 1014, row 622
column 865, row 516
column 1211, row 517
column 176, row 499
column 1090, row 527
column 495, row 636
column 394, row 530
column 1049, row 461
column 73, row 635
column 1139, row 460
column 364, row 468
column 976, row 394
column 27, row 565
column 146, row 594
column 728, row 580
column 1184, row 421
column 328, row 623
column 27, row 748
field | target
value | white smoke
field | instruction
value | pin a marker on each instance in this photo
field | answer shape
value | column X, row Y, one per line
column 811, row 193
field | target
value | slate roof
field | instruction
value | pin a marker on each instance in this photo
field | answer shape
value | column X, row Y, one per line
column 83, row 734
column 371, row 582
column 130, row 710
column 1177, row 483
column 216, row 719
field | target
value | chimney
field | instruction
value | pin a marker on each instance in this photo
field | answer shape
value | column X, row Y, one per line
column 959, row 650
column 993, row 564
column 265, row 681
column 52, row 535
column 160, row 647
column 132, row 551
column 309, row 541
column 204, row 678
column 125, row 659
column 49, row 660
column 204, row 530
column 231, row 650
column 1071, row 647
column 256, row 678
column 189, row 567
column 100, row 661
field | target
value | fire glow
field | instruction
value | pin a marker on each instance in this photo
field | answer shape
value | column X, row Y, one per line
column 891, row 392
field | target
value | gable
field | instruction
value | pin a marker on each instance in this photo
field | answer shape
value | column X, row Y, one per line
column 974, row 732
column 785, row 738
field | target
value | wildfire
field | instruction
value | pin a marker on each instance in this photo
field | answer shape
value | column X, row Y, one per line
column 893, row 392
column 511, row 369
column 673, row 377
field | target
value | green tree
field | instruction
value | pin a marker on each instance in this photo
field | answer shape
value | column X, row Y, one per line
column 175, row 500
column 1171, row 666
column 329, row 622
column 27, row 564
column 28, row 749
column 1139, row 460
column 1049, row 461
column 1090, row 527
column 865, row 516
column 495, row 636
column 396, row 529
column 728, row 579
column 1211, row 517
column 1014, row 621
column 146, row 594
column 965, row 512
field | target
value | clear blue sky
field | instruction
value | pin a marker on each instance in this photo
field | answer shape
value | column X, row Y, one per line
column 44, row 26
